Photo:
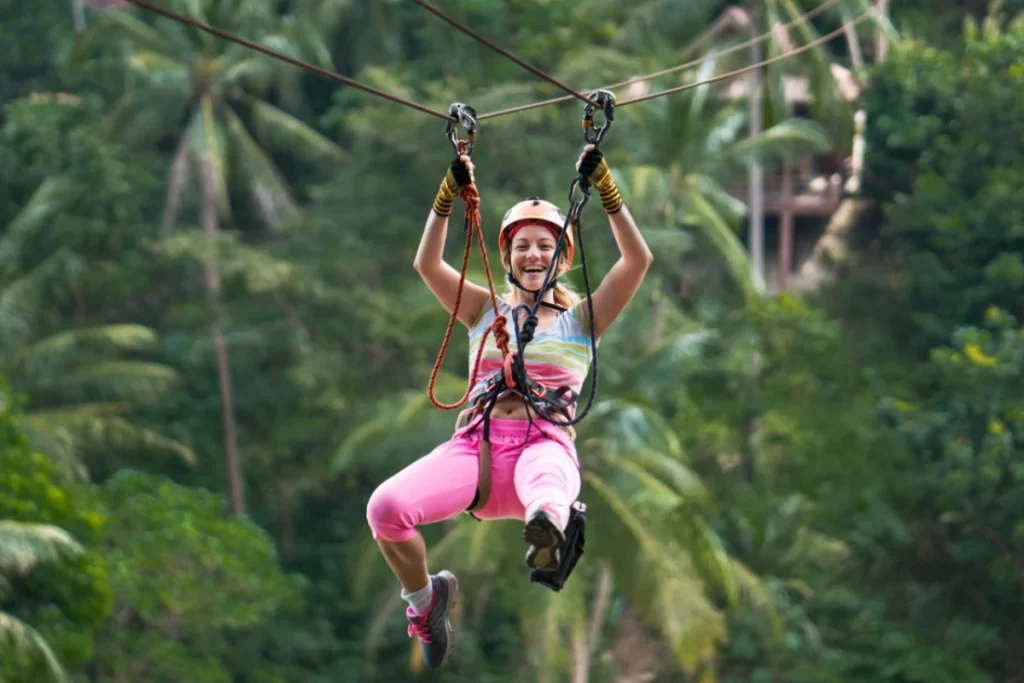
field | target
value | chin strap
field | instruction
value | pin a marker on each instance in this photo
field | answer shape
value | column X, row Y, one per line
column 537, row 292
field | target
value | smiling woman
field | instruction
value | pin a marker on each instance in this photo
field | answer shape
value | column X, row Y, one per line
column 527, row 240
column 500, row 464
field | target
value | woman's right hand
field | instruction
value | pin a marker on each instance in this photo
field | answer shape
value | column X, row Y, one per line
column 461, row 170
column 458, row 176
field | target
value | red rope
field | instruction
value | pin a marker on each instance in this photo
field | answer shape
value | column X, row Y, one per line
column 471, row 196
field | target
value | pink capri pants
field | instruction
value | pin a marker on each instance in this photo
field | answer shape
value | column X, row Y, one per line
column 528, row 467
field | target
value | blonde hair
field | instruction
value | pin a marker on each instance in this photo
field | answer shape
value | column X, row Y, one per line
column 564, row 295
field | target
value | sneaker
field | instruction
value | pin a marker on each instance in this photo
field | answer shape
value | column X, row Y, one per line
column 545, row 539
column 433, row 628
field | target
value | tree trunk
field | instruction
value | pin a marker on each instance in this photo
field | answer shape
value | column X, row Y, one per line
column 832, row 250
column 786, row 226
column 208, row 219
column 287, row 541
column 755, row 173
column 78, row 14
column 585, row 647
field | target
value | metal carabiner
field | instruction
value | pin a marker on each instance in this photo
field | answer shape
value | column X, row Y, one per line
column 466, row 116
column 591, row 133
column 576, row 205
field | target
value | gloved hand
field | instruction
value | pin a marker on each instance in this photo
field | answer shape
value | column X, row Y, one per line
column 459, row 175
column 592, row 165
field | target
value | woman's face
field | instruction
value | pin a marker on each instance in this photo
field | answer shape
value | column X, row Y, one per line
column 530, row 254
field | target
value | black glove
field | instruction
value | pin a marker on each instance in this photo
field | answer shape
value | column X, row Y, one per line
column 593, row 167
column 459, row 175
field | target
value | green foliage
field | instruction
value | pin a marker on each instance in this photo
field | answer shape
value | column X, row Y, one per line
column 965, row 486
column 774, row 490
column 185, row 575
column 939, row 158
column 56, row 597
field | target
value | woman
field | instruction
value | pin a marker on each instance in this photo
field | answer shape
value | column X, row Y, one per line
column 534, row 467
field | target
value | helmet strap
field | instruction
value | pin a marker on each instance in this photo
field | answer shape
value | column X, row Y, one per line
column 536, row 292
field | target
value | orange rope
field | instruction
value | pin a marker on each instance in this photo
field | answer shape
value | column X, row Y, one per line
column 471, row 196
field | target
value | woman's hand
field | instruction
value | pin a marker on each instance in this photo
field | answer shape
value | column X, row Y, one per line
column 592, row 165
column 459, row 175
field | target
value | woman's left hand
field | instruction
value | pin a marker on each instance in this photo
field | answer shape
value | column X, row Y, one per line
column 590, row 158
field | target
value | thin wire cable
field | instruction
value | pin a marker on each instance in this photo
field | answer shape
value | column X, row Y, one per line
column 768, row 62
column 529, row 67
column 664, row 72
column 285, row 58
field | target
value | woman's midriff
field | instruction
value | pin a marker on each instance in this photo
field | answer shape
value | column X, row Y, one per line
column 512, row 407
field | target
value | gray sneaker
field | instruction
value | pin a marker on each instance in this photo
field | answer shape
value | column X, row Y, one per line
column 545, row 539
column 433, row 628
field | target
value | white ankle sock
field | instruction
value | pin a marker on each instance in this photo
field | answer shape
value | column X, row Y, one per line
column 420, row 599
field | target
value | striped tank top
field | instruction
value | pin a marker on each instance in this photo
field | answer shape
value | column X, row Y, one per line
column 557, row 356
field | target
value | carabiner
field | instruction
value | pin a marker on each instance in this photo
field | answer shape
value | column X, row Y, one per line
column 582, row 184
column 466, row 116
column 591, row 133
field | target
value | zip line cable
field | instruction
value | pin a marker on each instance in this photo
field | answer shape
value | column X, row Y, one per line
column 144, row 4
column 285, row 58
column 476, row 36
column 680, row 67
column 768, row 62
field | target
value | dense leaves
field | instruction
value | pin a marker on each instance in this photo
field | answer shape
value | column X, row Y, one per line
column 207, row 254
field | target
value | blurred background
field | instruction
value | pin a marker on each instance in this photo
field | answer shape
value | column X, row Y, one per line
column 805, row 461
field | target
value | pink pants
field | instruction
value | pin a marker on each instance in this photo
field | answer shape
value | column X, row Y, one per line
column 542, row 469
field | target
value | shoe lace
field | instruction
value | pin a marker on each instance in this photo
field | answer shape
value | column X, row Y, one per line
column 419, row 627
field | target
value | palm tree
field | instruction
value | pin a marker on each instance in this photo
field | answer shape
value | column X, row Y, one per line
column 217, row 88
column 23, row 546
column 694, row 146
column 78, row 384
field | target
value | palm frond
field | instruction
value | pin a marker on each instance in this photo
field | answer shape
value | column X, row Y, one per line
column 144, row 117
column 135, row 382
column 284, row 131
column 791, row 138
column 269, row 190
column 726, row 245
column 23, row 546
column 731, row 209
column 672, row 595
column 52, row 195
column 394, row 418
column 21, row 300
column 123, row 25
column 53, row 350
column 210, row 150
column 90, row 431
column 24, row 638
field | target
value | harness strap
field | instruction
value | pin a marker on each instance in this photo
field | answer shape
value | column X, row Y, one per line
column 558, row 399
column 483, row 484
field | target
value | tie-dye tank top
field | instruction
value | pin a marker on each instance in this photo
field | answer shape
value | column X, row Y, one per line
column 557, row 356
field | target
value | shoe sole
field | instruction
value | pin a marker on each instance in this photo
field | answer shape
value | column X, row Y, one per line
column 545, row 541
column 453, row 598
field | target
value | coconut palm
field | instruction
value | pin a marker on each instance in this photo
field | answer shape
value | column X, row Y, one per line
column 692, row 146
column 80, row 383
column 206, row 97
column 24, row 546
